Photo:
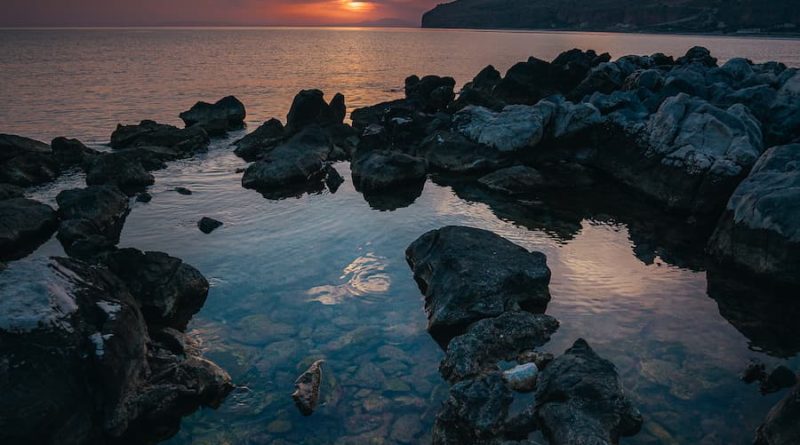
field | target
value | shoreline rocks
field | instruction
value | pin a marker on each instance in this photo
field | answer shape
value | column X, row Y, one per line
column 24, row 224
column 218, row 118
column 91, row 219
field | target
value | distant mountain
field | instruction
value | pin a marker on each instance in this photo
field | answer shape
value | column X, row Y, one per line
column 387, row 23
column 773, row 16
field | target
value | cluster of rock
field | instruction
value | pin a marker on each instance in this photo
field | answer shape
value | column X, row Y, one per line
column 93, row 347
column 479, row 292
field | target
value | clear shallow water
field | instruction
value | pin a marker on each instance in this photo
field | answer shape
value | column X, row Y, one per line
column 325, row 275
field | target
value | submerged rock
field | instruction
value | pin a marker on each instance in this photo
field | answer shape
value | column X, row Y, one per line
column 208, row 225
column 24, row 224
column 306, row 393
column 149, row 133
column 580, row 400
column 91, row 219
column 468, row 274
column 491, row 340
column 183, row 191
column 226, row 114
column 781, row 426
column 25, row 162
column 760, row 228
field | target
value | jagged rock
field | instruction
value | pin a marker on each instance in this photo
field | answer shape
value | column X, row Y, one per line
column 430, row 93
column 149, row 133
column 309, row 108
column 264, row 138
column 580, row 400
column 527, row 83
column 91, row 219
column 491, row 340
column 24, row 224
column 118, row 169
column 169, row 291
column 697, row 54
column 333, row 180
column 373, row 115
column 604, row 78
column 479, row 91
column 226, row 114
column 760, row 230
column 453, row 152
column 297, row 162
column 475, row 411
column 781, row 426
column 690, row 156
column 139, row 388
column 208, row 225
column 514, row 129
column 306, row 393
column 783, row 122
column 468, row 274
column 25, row 162
column 71, row 152
column 385, row 170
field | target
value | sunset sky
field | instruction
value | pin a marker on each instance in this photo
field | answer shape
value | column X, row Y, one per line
column 199, row 12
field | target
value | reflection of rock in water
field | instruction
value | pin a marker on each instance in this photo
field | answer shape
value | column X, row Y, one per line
column 81, row 363
column 364, row 276
column 559, row 212
column 396, row 198
column 768, row 318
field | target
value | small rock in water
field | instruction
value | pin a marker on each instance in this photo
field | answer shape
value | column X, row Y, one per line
column 333, row 179
column 541, row 359
column 183, row 190
column 240, row 170
column 754, row 372
column 144, row 197
column 522, row 378
column 306, row 394
column 780, row 378
column 208, row 225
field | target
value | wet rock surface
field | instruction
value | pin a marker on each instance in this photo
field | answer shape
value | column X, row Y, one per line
column 226, row 114
column 306, row 393
column 150, row 133
column 781, row 426
column 25, row 162
column 91, row 219
column 468, row 274
column 208, row 225
column 24, row 224
column 375, row 171
column 580, row 400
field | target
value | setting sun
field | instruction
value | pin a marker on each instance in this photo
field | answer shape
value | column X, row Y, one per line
column 357, row 6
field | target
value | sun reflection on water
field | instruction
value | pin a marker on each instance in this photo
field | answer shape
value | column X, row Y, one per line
column 364, row 276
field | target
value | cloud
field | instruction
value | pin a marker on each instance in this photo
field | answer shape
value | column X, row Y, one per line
column 211, row 12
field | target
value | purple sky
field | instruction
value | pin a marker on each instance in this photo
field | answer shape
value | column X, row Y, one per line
column 229, row 12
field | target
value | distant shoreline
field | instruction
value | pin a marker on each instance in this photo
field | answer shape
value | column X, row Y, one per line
column 787, row 36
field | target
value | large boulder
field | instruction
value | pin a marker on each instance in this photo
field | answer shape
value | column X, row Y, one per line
column 298, row 162
column 149, row 133
column 760, row 228
column 580, row 400
column 783, row 123
column 690, row 156
column 24, row 224
column 469, row 274
column 168, row 290
column 309, row 108
column 385, row 170
column 72, row 152
column 781, row 427
column 105, row 375
column 450, row 151
column 226, row 114
column 256, row 144
column 528, row 82
column 514, row 129
column 91, row 219
column 119, row 169
column 25, row 162
column 430, row 93
column 491, row 340
column 8, row 191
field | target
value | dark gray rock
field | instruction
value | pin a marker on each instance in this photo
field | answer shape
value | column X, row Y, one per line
column 25, row 162
column 527, row 83
column 385, row 170
column 491, row 340
column 580, row 400
column 516, row 180
column 430, row 93
column 149, row 133
column 760, row 228
column 144, row 197
column 183, row 191
column 24, row 224
column 452, row 152
column 309, row 108
column 168, row 290
column 373, row 115
column 783, row 122
column 697, row 54
column 298, row 162
column 8, row 191
column 781, row 427
column 119, row 169
column 333, row 180
column 469, row 274
column 91, row 219
column 71, row 152
column 259, row 142
column 105, row 375
column 208, row 225
column 226, row 114
column 780, row 378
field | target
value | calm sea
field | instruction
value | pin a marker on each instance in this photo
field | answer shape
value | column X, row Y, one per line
column 325, row 276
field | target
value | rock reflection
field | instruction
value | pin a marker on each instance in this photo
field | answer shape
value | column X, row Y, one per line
column 364, row 276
